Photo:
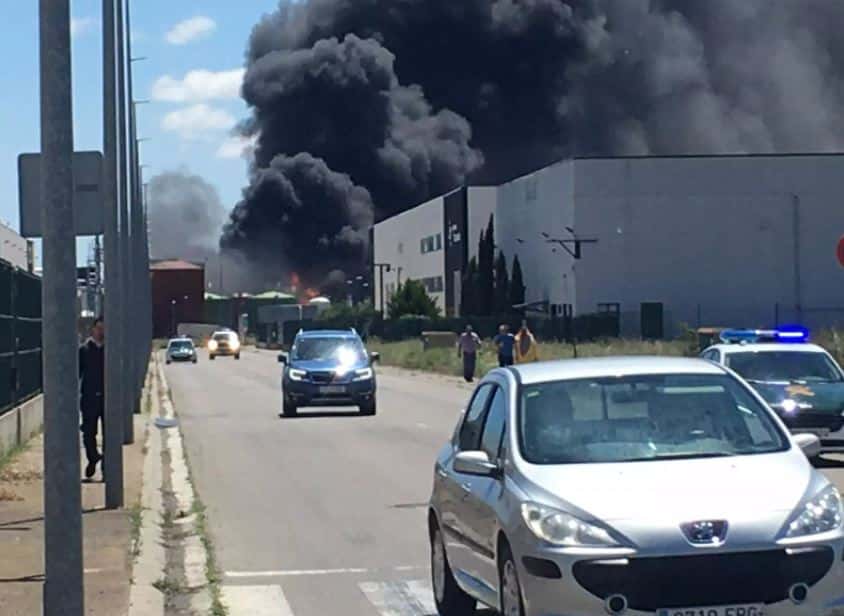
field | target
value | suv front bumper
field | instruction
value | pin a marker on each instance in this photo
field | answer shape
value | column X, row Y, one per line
column 353, row 393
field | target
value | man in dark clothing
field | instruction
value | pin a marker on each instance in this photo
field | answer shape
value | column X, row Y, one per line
column 504, row 342
column 468, row 346
column 92, row 393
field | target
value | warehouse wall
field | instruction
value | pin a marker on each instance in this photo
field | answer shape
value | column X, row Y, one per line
column 527, row 207
column 482, row 203
column 714, row 239
column 397, row 242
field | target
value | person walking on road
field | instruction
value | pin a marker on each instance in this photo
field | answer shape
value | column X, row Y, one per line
column 468, row 346
column 526, row 346
column 504, row 342
column 92, row 392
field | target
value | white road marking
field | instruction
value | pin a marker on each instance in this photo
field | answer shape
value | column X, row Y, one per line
column 255, row 601
column 315, row 572
column 413, row 598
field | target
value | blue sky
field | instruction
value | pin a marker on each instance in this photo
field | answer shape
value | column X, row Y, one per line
column 194, row 49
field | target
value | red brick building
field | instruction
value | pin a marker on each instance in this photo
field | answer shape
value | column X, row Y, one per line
column 178, row 295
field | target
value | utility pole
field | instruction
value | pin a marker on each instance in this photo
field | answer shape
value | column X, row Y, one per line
column 63, row 593
column 382, row 267
column 126, row 278
column 113, row 446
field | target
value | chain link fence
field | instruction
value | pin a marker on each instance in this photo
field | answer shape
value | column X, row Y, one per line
column 20, row 336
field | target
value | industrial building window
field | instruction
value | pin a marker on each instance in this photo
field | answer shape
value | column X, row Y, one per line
column 531, row 190
column 609, row 308
column 432, row 243
column 433, row 284
column 400, row 248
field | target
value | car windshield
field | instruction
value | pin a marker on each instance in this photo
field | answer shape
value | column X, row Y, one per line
column 181, row 345
column 224, row 337
column 639, row 418
column 785, row 366
column 326, row 348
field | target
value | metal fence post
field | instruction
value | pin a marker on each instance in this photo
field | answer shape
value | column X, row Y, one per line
column 63, row 587
column 113, row 447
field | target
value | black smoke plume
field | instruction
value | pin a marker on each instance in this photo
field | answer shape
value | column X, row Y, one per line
column 410, row 98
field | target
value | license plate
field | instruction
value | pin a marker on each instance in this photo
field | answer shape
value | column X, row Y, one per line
column 723, row 610
column 332, row 389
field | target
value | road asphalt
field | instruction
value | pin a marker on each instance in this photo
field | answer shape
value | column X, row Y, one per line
column 322, row 514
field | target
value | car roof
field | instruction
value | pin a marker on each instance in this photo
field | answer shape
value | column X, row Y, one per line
column 227, row 332
column 182, row 339
column 327, row 333
column 761, row 347
column 594, row 367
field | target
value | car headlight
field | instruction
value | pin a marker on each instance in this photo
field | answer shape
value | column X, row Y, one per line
column 212, row 345
column 560, row 528
column 364, row 374
column 297, row 375
column 822, row 514
column 235, row 345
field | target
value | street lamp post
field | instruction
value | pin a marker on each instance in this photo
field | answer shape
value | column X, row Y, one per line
column 172, row 317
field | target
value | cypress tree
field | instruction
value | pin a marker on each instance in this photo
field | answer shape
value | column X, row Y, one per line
column 502, row 286
column 517, row 284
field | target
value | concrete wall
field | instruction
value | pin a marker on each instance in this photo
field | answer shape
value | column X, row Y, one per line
column 541, row 202
column 712, row 238
column 21, row 424
column 397, row 242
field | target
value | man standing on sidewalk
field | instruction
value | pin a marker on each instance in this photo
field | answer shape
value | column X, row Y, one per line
column 467, row 347
column 91, row 390
column 504, row 342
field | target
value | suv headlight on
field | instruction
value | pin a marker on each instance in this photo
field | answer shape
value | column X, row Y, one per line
column 297, row 375
column 561, row 529
column 364, row 374
column 822, row 514
column 212, row 345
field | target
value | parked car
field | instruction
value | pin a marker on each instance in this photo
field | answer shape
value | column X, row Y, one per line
column 328, row 368
column 180, row 349
column 224, row 344
column 799, row 380
column 631, row 486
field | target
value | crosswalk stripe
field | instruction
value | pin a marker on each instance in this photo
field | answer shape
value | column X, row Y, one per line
column 411, row 598
column 255, row 601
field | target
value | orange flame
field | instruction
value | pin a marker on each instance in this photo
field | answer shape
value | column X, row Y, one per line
column 311, row 293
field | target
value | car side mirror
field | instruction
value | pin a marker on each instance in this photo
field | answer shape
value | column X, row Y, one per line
column 282, row 358
column 374, row 357
column 475, row 463
column 809, row 443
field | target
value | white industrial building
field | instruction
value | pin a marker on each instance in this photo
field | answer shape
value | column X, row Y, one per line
column 701, row 240
column 15, row 249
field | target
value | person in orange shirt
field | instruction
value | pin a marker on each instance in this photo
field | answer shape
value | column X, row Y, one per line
column 526, row 347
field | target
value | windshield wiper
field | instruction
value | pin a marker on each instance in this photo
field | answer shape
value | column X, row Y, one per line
column 680, row 456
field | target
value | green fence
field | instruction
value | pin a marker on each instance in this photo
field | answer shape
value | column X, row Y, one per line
column 20, row 336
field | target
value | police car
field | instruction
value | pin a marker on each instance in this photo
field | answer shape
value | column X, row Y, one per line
column 799, row 380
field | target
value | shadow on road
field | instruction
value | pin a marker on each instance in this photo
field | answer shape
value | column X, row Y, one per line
column 321, row 414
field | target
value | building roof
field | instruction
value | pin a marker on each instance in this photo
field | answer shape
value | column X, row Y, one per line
column 174, row 264
column 273, row 295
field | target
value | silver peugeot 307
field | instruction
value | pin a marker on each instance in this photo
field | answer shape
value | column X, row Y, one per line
column 631, row 486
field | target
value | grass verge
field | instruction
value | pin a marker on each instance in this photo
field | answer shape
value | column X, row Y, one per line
column 212, row 570
column 410, row 355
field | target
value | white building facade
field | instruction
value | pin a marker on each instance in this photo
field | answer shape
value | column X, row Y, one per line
column 748, row 241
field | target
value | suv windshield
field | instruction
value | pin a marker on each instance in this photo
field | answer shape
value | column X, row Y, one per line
column 641, row 418
column 784, row 366
column 315, row 348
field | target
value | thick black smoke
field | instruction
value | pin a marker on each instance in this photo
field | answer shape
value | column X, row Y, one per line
column 410, row 98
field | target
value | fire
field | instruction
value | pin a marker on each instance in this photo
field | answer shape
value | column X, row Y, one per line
column 295, row 281
column 311, row 293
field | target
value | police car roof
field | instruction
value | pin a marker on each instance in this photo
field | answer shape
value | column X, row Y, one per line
column 761, row 347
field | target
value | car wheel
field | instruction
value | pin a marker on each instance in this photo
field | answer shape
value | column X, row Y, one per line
column 451, row 600
column 237, row 356
column 368, row 408
column 289, row 409
column 194, row 360
column 167, row 362
column 211, row 357
column 510, row 588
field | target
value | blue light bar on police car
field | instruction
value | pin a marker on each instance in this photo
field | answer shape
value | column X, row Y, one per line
column 791, row 333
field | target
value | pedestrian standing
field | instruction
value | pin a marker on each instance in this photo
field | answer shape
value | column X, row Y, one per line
column 526, row 347
column 92, row 392
column 504, row 342
column 468, row 346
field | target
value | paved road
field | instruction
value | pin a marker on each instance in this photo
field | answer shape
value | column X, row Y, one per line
column 327, row 509
column 323, row 514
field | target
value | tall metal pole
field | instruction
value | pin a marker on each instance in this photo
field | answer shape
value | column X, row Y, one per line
column 126, row 278
column 63, row 586
column 113, row 446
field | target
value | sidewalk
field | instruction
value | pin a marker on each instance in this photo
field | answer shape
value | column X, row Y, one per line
column 107, row 534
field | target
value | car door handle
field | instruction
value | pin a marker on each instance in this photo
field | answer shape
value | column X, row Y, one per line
column 466, row 487
column 442, row 473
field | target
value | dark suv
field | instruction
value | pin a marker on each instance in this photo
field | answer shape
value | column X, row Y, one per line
column 328, row 368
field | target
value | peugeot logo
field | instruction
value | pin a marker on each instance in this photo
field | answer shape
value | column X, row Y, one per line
column 706, row 532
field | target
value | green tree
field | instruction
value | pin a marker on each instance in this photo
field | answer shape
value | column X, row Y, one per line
column 517, row 284
column 469, row 290
column 486, row 270
column 502, row 286
column 411, row 299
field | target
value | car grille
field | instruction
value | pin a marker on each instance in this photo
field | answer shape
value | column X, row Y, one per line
column 321, row 378
column 706, row 580
column 814, row 420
